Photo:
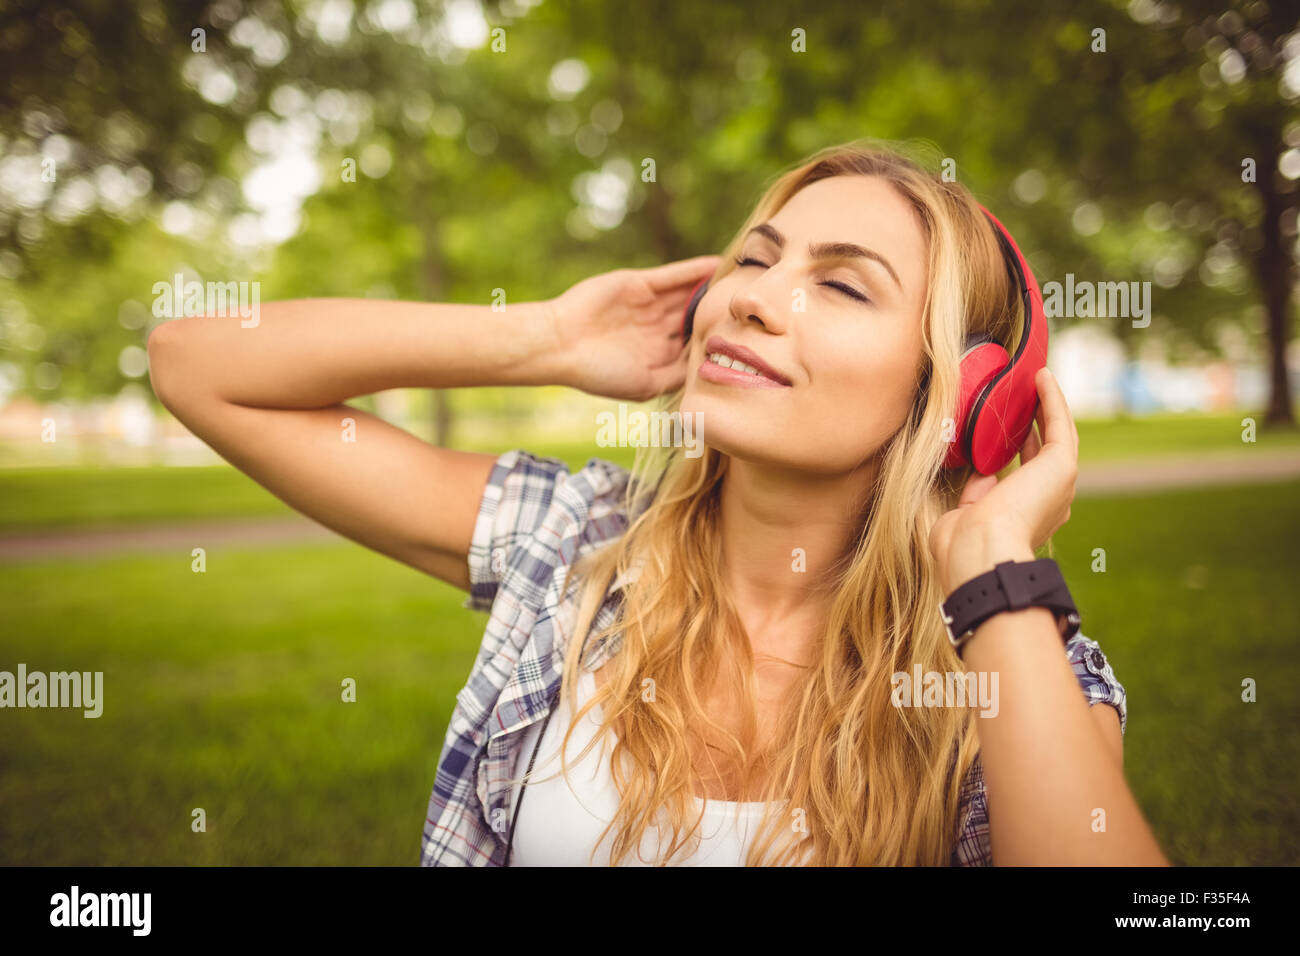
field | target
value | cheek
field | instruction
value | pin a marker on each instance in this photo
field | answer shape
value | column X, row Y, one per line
column 873, row 379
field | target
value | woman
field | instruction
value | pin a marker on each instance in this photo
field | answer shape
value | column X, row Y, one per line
column 740, row 615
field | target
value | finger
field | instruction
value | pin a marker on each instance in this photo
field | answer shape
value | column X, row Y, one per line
column 1074, row 427
column 977, row 486
column 939, row 535
column 667, row 277
column 1056, row 413
column 670, row 375
column 1031, row 446
column 671, row 352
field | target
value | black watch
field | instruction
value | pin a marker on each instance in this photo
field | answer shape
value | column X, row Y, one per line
column 1010, row 586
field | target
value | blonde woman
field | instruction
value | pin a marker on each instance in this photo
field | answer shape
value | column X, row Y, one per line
column 693, row 662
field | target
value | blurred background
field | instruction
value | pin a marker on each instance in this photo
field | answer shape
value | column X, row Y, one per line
column 441, row 151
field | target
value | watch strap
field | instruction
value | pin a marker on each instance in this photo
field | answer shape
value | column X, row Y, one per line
column 1010, row 586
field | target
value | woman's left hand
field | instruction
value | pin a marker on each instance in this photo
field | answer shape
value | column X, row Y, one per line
column 1006, row 520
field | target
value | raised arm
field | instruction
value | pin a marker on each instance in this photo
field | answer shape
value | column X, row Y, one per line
column 1054, row 768
column 270, row 398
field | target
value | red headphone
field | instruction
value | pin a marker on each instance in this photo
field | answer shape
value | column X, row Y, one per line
column 998, row 399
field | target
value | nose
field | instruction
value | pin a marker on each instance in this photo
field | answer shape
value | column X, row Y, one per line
column 758, row 299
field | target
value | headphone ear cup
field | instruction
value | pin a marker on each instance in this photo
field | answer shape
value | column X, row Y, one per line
column 688, row 322
column 981, row 360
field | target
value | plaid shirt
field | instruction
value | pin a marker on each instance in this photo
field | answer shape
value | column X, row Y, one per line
column 534, row 520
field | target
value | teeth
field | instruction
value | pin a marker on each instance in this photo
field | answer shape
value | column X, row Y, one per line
column 717, row 358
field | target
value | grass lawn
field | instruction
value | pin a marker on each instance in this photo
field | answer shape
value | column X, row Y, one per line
column 34, row 498
column 1174, row 434
column 1198, row 594
column 222, row 691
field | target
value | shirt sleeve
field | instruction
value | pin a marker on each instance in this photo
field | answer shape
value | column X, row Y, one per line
column 1095, row 676
column 515, row 500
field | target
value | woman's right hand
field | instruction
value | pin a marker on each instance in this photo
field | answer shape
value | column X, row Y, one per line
column 618, row 334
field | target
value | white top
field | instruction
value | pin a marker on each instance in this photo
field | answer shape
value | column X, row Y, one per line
column 561, row 818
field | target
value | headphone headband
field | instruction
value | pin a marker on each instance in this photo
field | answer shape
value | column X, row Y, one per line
column 1031, row 298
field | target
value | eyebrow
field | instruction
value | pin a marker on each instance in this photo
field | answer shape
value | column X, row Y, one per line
column 829, row 250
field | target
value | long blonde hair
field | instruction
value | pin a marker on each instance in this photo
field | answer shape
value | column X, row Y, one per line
column 868, row 783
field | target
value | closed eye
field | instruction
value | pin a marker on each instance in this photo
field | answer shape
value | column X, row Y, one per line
column 851, row 292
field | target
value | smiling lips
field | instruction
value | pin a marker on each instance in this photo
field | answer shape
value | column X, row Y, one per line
column 731, row 364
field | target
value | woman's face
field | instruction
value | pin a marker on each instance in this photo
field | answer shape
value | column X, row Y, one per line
column 850, row 364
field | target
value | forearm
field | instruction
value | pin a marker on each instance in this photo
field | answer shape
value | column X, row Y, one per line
column 313, row 353
column 1047, row 766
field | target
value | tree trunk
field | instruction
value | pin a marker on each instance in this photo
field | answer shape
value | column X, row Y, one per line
column 431, row 285
column 1275, row 267
column 663, row 236
column 441, row 418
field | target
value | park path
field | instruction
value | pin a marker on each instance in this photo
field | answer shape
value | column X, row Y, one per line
column 80, row 542
column 1101, row 479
